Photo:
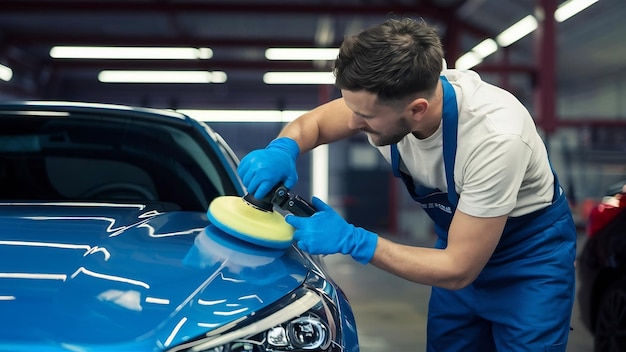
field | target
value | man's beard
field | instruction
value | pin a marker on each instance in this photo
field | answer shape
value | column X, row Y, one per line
column 400, row 130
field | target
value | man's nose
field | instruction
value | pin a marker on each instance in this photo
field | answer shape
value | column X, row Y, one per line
column 356, row 122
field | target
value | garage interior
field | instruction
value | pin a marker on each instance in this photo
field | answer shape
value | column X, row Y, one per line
column 570, row 72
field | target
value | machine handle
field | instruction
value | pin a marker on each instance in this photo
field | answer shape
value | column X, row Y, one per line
column 292, row 203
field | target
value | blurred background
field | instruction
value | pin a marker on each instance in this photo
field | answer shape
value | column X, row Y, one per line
column 565, row 60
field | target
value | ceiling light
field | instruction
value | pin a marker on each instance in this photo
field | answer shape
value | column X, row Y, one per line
column 517, row 31
column 485, row 48
column 319, row 171
column 313, row 54
column 5, row 73
column 299, row 78
column 243, row 115
column 570, row 8
column 467, row 61
column 113, row 76
column 325, row 31
column 476, row 55
column 141, row 53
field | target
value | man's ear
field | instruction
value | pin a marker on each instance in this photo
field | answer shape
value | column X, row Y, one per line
column 417, row 108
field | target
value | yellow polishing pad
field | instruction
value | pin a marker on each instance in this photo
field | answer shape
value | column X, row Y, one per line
column 234, row 216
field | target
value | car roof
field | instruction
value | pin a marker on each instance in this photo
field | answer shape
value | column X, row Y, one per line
column 100, row 108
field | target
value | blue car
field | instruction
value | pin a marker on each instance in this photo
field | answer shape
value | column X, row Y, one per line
column 105, row 244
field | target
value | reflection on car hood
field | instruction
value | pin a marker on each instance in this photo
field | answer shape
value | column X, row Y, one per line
column 88, row 275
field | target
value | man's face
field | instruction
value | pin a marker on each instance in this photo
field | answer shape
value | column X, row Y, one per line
column 383, row 124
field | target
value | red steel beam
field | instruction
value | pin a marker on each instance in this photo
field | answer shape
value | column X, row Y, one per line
column 546, row 65
column 445, row 14
column 224, row 7
column 22, row 39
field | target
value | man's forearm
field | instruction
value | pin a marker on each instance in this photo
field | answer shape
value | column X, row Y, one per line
column 325, row 124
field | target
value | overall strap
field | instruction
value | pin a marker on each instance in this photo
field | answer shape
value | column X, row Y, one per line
column 395, row 160
column 406, row 178
column 557, row 186
column 450, row 117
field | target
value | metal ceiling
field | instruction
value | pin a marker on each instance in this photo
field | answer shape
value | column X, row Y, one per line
column 589, row 46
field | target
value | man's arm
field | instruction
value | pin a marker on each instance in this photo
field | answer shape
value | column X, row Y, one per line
column 324, row 124
column 471, row 242
column 263, row 169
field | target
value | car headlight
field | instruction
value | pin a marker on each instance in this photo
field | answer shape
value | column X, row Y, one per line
column 306, row 320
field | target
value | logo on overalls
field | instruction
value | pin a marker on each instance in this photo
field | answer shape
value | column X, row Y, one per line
column 441, row 207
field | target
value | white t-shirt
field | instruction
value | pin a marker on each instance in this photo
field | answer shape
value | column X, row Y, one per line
column 501, row 162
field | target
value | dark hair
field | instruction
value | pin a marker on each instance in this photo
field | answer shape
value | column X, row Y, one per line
column 394, row 60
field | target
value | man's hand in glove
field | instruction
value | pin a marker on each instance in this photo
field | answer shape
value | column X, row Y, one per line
column 263, row 169
column 326, row 232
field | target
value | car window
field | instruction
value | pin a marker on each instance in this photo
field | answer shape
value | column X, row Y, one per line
column 87, row 158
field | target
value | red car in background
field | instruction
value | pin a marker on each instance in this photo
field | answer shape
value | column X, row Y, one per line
column 602, row 273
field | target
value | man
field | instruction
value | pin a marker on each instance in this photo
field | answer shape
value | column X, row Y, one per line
column 502, row 269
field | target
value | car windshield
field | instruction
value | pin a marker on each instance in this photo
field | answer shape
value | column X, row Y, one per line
column 96, row 157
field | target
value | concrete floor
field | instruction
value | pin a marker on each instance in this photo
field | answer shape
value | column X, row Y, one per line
column 391, row 312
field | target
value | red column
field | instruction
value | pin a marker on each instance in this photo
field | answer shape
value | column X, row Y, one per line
column 545, row 98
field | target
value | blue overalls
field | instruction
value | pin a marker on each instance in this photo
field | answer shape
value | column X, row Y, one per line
column 522, row 300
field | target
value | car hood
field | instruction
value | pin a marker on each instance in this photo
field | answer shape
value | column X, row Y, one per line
column 87, row 275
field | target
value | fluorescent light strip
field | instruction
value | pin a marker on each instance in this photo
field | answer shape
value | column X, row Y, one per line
column 5, row 73
column 467, row 61
column 299, row 78
column 477, row 54
column 114, row 76
column 243, row 115
column 517, row 31
column 486, row 48
column 319, row 172
column 529, row 23
column 301, row 54
column 570, row 8
column 139, row 53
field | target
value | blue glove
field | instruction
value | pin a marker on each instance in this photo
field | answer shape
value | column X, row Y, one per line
column 326, row 232
column 263, row 169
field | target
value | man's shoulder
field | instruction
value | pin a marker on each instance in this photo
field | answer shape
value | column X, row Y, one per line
column 461, row 76
column 470, row 81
